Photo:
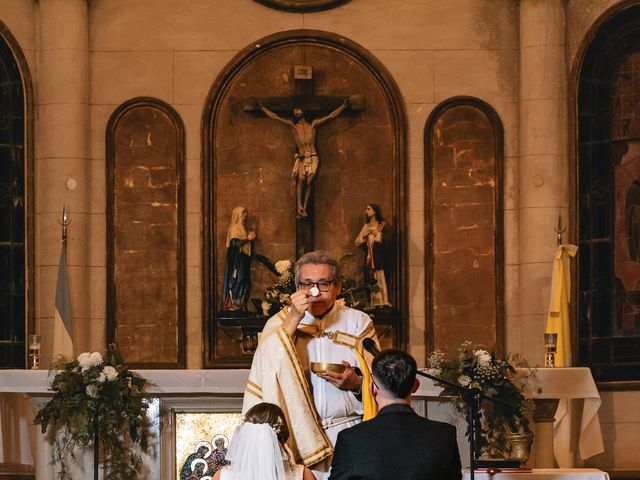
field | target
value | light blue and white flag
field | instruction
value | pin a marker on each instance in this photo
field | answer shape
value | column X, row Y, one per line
column 62, row 330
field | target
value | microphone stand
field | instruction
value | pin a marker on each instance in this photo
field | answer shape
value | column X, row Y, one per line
column 472, row 397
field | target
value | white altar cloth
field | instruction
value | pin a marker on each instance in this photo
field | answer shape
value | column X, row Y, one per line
column 166, row 382
column 16, row 415
column 545, row 474
column 562, row 383
column 568, row 384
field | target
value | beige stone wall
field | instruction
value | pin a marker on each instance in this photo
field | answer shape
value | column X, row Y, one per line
column 174, row 54
column 86, row 58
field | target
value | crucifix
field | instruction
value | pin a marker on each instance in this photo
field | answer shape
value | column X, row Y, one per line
column 291, row 112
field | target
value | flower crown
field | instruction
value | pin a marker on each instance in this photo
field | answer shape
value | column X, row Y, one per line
column 278, row 426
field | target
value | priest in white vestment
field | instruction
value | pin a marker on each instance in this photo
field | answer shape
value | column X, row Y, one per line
column 314, row 328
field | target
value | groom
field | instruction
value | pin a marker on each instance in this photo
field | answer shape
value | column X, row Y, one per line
column 397, row 443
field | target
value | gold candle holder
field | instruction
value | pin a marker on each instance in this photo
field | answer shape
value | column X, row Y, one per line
column 34, row 352
column 550, row 348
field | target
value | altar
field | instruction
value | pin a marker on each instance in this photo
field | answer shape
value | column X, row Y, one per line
column 177, row 392
column 567, row 404
column 545, row 474
column 174, row 392
column 22, row 392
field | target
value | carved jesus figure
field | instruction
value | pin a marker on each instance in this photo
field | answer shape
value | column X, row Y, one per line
column 306, row 157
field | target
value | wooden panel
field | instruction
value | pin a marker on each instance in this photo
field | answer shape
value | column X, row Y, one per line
column 146, row 297
column 464, row 215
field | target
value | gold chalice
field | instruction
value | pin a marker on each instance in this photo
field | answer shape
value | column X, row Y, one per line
column 324, row 367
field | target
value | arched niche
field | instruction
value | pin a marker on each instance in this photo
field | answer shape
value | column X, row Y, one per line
column 17, row 207
column 464, row 225
column 248, row 160
column 606, row 175
column 145, row 234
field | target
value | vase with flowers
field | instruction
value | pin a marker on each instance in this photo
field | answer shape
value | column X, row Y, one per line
column 97, row 401
column 277, row 295
column 503, row 421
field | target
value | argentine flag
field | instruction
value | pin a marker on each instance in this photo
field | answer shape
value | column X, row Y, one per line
column 62, row 331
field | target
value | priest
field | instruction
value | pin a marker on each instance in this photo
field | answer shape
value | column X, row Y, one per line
column 315, row 327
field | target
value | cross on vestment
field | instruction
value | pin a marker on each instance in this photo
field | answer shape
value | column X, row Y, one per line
column 291, row 111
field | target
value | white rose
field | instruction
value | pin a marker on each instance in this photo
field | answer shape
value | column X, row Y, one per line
column 435, row 359
column 88, row 360
column 96, row 359
column 284, row 297
column 84, row 360
column 109, row 372
column 464, row 380
column 92, row 390
column 482, row 356
column 286, row 276
column 283, row 266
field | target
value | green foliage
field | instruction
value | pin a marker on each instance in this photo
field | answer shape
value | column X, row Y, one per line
column 477, row 368
column 95, row 395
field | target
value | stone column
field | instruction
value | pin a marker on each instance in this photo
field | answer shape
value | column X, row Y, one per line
column 62, row 160
column 544, row 417
column 543, row 164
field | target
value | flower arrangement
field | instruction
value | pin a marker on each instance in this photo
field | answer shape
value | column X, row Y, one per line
column 97, row 399
column 476, row 368
column 277, row 295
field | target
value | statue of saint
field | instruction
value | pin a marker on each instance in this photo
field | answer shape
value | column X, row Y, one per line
column 237, row 271
column 371, row 241
column 306, row 157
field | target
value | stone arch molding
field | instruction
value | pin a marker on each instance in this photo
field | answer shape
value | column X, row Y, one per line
column 247, row 157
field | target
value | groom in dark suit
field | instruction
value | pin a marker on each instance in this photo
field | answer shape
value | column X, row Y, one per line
column 398, row 443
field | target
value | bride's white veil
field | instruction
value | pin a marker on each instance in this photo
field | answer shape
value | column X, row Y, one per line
column 256, row 454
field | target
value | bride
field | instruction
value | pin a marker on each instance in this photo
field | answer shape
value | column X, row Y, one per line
column 258, row 450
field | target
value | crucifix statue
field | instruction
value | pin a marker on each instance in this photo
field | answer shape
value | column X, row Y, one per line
column 292, row 112
column 306, row 156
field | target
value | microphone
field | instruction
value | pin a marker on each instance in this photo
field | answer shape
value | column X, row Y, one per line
column 370, row 346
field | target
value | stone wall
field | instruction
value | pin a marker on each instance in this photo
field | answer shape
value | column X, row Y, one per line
column 86, row 58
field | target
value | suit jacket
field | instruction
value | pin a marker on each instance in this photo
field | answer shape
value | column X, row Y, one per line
column 397, row 444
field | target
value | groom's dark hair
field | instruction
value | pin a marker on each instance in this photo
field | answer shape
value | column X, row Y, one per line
column 395, row 371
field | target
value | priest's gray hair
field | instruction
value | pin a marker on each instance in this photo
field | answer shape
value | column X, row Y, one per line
column 318, row 258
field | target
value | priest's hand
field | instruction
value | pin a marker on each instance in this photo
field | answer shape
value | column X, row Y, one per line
column 348, row 380
column 299, row 304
